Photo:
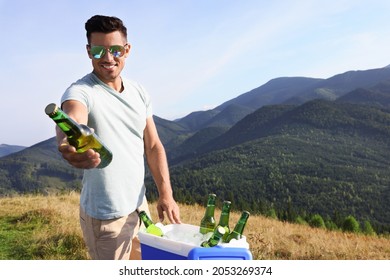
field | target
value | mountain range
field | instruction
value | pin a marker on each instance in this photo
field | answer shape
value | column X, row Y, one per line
column 9, row 149
column 295, row 144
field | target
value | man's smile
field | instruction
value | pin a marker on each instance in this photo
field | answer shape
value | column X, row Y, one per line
column 108, row 66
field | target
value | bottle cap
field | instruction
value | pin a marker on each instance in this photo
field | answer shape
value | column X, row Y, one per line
column 51, row 109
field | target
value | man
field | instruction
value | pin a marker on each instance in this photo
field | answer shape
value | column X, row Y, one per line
column 120, row 112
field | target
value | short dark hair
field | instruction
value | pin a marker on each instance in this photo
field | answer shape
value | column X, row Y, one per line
column 104, row 24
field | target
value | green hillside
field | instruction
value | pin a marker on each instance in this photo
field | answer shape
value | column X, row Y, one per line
column 320, row 157
column 38, row 169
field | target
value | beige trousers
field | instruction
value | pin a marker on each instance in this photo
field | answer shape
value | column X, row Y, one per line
column 114, row 239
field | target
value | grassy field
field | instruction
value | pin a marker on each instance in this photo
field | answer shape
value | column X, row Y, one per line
column 47, row 227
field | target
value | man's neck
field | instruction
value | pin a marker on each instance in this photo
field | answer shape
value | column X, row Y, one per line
column 116, row 84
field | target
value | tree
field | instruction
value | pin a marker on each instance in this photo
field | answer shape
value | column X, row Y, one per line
column 351, row 225
column 368, row 229
column 272, row 214
column 317, row 221
column 299, row 220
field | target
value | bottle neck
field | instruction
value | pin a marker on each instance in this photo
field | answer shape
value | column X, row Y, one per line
column 239, row 228
column 66, row 124
column 224, row 220
column 145, row 219
column 210, row 211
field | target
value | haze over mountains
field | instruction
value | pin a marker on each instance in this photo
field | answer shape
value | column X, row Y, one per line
column 295, row 144
column 9, row 149
column 292, row 90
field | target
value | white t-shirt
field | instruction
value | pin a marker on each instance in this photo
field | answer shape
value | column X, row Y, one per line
column 119, row 119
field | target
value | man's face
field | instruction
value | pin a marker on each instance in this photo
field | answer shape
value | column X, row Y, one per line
column 108, row 67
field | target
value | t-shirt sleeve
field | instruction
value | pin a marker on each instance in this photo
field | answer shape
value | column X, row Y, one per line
column 146, row 99
column 75, row 92
column 148, row 103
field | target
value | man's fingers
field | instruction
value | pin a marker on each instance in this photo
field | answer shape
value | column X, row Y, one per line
column 86, row 160
column 160, row 213
column 172, row 213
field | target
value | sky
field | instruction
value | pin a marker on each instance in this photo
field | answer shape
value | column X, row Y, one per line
column 190, row 55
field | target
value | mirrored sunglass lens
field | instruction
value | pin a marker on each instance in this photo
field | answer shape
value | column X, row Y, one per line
column 117, row 51
column 98, row 52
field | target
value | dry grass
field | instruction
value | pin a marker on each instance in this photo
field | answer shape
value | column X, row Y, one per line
column 61, row 210
column 49, row 227
column 268, row 239
column 274, row 240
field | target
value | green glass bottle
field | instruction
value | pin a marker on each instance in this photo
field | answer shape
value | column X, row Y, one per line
column 79, row 136
column 207, row 224
column 215, row 238
column 149, row 225
column 239, row 228
column 224, row 218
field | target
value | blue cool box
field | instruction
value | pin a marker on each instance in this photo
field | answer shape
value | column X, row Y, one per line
column 159, row 248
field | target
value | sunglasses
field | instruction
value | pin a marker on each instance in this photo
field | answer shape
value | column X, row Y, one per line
column 98, row 52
